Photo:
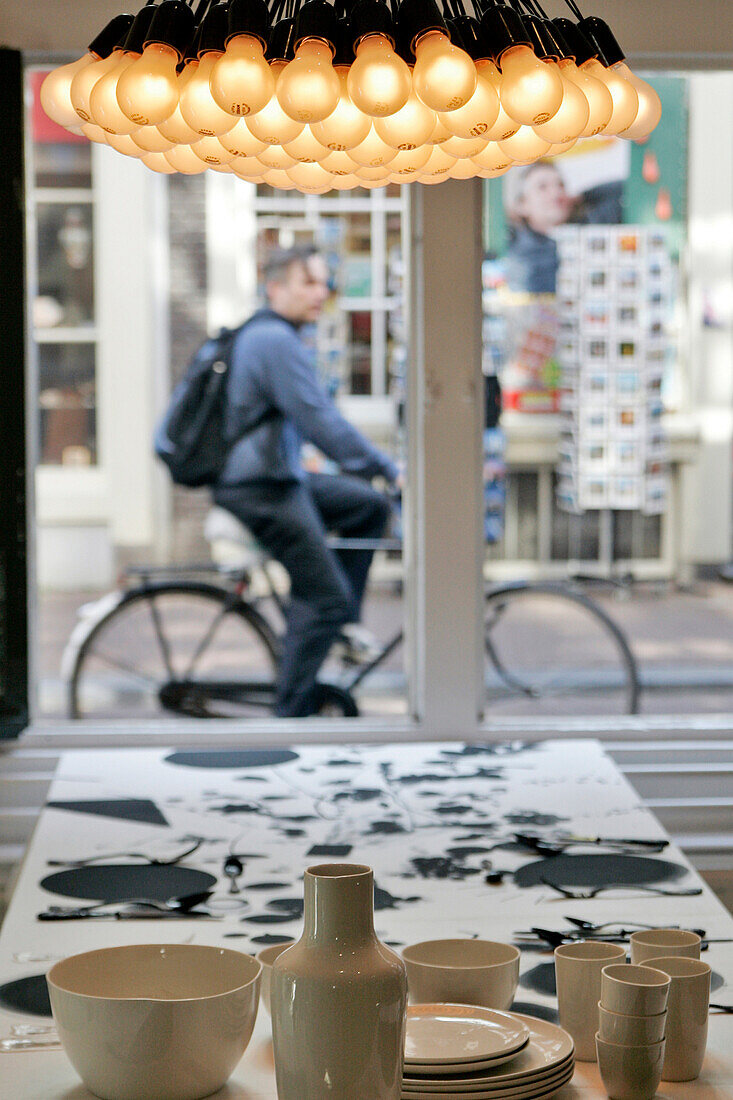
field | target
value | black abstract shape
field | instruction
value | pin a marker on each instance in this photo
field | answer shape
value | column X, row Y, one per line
column 121, row 881
column 270, row 938
column 540, row 1012
column 467, row 850
column 267, row 885
column 269, row 918
column 386, row 828
column 292, row 906
column 540, row 979
column 126, row 809
column 27, row 995
column 532, row 817
column 341, row 850
column 237, row 808
column 598, row 869
column 293, row 832
column 384, row 900
column 359, row 794
column 442, row 867
column 232, row 758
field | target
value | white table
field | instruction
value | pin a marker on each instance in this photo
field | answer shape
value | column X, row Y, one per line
column 391, row 805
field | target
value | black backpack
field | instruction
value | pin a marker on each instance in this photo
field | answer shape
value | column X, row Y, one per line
column 190, row 437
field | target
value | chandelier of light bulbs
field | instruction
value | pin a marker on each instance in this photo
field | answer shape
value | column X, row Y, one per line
column 316, row 96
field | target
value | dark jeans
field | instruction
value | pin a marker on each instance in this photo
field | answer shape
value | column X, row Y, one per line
column 291, row 519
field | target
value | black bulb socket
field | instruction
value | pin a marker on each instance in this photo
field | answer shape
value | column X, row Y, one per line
column 192, row 53
column 542, row 43
column 417, row 18
column 138, row 32
column 344, row 46
column 248, row 17
column 371, row 17
column 601, row 35
column 557, row 46
column 282, row 37
column 579, row 47
column 465, row 31
column 317, row 19
column 173, row 25
column 214, row 30
column 109, row 37
column 502, row 28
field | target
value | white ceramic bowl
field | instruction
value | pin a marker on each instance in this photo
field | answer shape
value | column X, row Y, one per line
column 267, row 957
column 634, row 990
column 630, row 1073
column 471, row 972
column 630, row 1031
column 155, row 1021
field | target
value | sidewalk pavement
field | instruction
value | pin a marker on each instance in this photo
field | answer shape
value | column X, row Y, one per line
column 682, row 639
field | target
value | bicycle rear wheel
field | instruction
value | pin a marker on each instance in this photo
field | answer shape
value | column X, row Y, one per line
column 553, row 651
column 175, row 649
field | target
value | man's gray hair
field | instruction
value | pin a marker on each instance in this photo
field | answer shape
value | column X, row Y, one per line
column 280, row 260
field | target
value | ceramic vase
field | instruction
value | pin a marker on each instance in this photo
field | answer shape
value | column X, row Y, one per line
column 338, row 996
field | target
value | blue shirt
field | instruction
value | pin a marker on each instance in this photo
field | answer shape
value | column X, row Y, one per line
column 273, row 385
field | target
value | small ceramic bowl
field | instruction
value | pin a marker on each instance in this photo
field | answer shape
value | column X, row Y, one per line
column 630, row 1073
column 652, row 942
column 630, row 1031
column 472, row 972
column 267, row 957
column 155, row 1021
column 634, row 990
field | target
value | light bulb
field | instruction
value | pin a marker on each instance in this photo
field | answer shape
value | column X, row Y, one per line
column 198, row 109
column 123, row 143
column 279, row 179
column 525, row 145
column 504, row 126
column 493, row 159
column 241, row 81
column 310, row 176
column 94, row 133
column 373, row 173
column 440, row 133
column 437, row 165
column 571, row 119
column 274, row 156
column 650, row 106
column 463, row 147
column 83, row 82
column 624, row 95
column 241, row 141
column 491, row 173
column 306, row 148
column 409, row 161
column 308, row 88
column 373, row 152
column 444, row 75
column 339, row 163
column 55, row 97
column 184, row 160
column 104, row 109
column 379, row 81
column 531, row 90
column 595, row 91
column 212, row 152
column 346, row 126
column 150, row 139
column 271, row 124
column 247, row 168
column 345, row 183
column 463, row 169
column 157, row 163
column 147, row 91
column 175, row 128
column 477, row 117
column 409, row 127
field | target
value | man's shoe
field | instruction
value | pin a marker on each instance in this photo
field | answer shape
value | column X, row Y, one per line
column 355, row 645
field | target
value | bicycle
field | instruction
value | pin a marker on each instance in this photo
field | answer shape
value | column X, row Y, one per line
column 195, row 640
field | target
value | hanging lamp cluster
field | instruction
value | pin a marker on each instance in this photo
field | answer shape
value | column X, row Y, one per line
column 316, row 96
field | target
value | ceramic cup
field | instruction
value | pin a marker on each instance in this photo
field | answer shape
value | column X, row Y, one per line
column 687, row 1016
column 578, row 969
column 630, row 1031
column 634, row 990
column 472, row 972
column 663, row 941
column 630, row 1073
column 155, row 1021
column 267, row 957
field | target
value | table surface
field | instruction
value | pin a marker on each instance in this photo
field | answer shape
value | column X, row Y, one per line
column 423, row 816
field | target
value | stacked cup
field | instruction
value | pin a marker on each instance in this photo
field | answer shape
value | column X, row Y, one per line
column 630, row 1042
column 676, row 953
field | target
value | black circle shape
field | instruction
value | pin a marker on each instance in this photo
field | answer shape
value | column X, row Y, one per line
column 232, row 758
column 598, row 869
column 27, row 995
column 112, row 882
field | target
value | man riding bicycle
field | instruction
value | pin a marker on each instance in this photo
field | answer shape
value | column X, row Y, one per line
column 273, row 383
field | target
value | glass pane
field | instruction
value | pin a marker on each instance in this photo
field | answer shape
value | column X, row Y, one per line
column 65, row 265
column 67, row 402
column 60, row 159
column 360, row 353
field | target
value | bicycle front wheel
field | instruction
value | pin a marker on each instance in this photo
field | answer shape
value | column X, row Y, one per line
column 553, row 651
column 175, row 649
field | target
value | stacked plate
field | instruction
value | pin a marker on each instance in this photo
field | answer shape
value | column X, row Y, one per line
column 463, row 1052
